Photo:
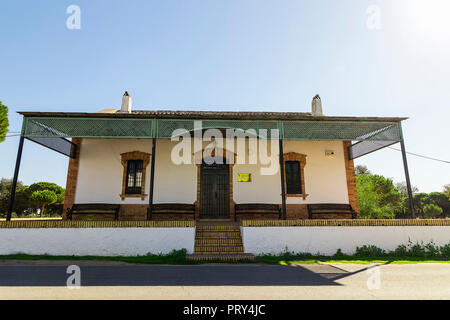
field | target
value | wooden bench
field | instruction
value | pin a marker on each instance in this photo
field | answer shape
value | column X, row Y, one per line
column 174, row 208
column 256, row 208
column 330, row 208
column 94, row 209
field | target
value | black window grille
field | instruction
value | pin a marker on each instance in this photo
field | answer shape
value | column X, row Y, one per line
column 134, row 177
column 293, row 178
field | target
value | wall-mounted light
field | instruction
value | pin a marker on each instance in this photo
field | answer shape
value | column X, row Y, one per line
column 329, row 153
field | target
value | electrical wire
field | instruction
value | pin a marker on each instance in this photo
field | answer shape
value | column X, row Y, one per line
column 421, row 156
column 410, row 153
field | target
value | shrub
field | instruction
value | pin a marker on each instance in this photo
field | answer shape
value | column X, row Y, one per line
column 369, row 251
column 432, row 211
column 432, row 250
column 177, row 256
column 400, row 251
column 339, row 254
column 445, row 250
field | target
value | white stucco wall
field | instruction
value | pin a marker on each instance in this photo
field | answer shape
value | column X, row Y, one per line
column 96, row 241
column 327, row 240
column 173, row 183
column 100, row 170
column 325, row 179
column 100, row 174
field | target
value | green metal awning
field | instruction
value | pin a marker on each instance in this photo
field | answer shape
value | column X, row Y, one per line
column 308, row 128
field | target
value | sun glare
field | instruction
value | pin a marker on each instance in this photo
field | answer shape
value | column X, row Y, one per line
column 427, row 19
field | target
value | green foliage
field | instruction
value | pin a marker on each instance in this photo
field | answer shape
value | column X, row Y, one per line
column 55, row 207
column 431, row 201
column 420, row 200
column 174, row 257
column 40, row 186
column 4, row 123
column 410, row 251
column 339, row 254
column 365, row 254
column 441, row 200
column 419, row 250
column 21, row 202
column 445, row 250
column 24, row 204
column 377, row 197
column 432, row 211
column 369, row 251
column 42, row 198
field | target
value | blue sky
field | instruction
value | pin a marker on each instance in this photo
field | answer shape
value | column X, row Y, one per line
column 233, row 55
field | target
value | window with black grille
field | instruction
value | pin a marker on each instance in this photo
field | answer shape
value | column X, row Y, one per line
column 134, row 177
column 293, row 177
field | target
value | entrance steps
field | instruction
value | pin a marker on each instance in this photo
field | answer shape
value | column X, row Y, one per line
column 219, row 241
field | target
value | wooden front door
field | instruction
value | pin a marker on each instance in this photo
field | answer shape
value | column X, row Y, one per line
column 214, row 191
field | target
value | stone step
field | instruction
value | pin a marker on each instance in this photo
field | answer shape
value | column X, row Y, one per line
column 221, row 257
column 218, row 228
column 218, row 242
column 216, row 236
column 218, row 249
column 219, row 231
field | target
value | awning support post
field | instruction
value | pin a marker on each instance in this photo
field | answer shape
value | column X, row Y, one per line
column 283, row 189
column 12, row 196
column 152, row 181
column 405, row 167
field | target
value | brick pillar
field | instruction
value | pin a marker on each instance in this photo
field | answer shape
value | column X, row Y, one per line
column 72, row 176
column 351, row 180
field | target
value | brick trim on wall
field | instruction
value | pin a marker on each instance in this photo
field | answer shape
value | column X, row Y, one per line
column 351, row 180
column 72, row 177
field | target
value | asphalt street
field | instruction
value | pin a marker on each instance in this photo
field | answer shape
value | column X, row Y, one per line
column 109, row 280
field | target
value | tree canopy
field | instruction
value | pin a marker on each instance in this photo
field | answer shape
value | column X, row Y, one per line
column 21, row 202
column 4, row 124
column 378, row 197
column 42, row 198
column 432, row 211
column 28, row 198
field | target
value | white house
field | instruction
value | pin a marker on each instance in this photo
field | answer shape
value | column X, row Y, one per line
column 201, row 165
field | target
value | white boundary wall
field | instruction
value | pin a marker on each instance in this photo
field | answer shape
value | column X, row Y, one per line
column 327, row 240
column 95, row 241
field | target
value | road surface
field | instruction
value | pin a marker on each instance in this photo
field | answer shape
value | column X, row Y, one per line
column 116, row 280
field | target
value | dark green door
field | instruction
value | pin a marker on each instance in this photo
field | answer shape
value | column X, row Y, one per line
column 214, row 191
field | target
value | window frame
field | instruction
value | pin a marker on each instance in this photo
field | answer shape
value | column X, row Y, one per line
column 134, row 156
column 134, row 189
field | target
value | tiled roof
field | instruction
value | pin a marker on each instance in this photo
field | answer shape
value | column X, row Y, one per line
column 199, row 115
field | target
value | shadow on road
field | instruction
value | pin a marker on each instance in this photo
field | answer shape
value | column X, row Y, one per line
column 183, row 275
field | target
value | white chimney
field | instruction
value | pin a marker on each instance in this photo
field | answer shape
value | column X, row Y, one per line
column 126, row 103
column 316, row 107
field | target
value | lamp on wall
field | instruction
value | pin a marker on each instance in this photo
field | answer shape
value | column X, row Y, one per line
column 329, row 153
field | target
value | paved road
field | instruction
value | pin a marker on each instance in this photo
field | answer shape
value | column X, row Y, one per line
column 108, row 280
